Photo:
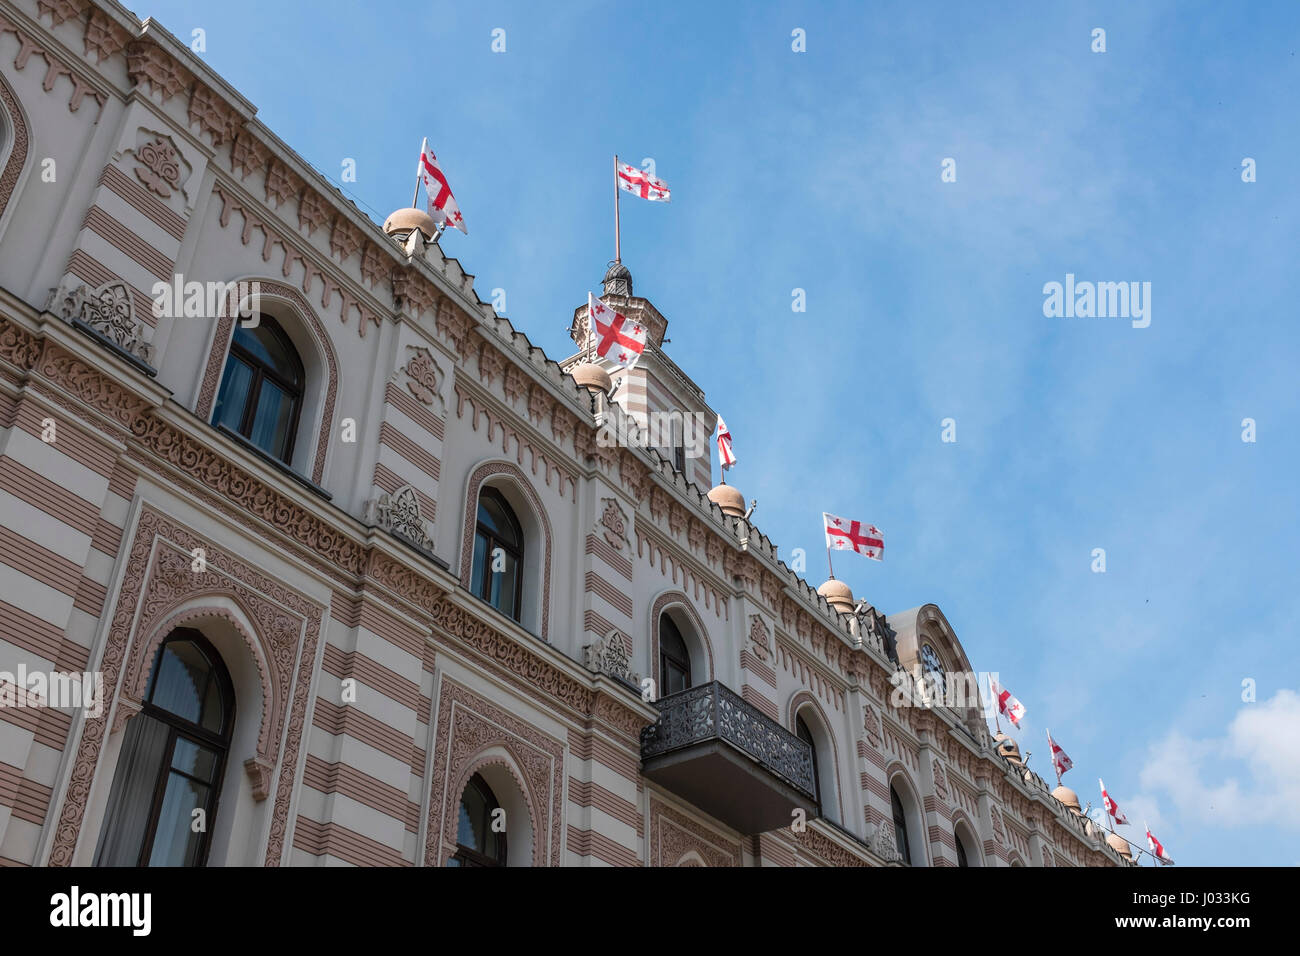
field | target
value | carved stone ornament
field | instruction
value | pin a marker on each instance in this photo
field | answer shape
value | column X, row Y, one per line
column 259, row 775
column 758, row 636
column 109, row 311
column 871, row 725
column 400, row 513
column 940, row 782
column 613, row 523
column 422, row 375
column 609, row 655
column 158, row 166
column 881, row 840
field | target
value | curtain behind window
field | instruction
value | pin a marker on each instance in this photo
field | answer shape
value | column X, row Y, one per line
column 127, row 816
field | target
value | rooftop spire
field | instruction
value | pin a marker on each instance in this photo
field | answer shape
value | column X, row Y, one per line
column 618, row 280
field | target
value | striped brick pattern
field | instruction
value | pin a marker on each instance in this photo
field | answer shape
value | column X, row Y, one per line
column 143, row 201
column 127, row 235
column 335, row 719
column 760, row 700
column 363, row 788
column 410, row 449
column 595, row 844
column 345, row 664
column 319, row 839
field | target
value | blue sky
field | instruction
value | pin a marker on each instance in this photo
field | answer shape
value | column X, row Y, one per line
column 821, row 171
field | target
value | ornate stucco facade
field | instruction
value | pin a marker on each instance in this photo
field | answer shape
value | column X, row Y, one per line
column 370, row 683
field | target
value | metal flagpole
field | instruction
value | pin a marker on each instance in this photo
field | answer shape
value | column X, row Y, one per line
column 828, row 562
column 996, row 707
column 618, row 239
column 419, row 174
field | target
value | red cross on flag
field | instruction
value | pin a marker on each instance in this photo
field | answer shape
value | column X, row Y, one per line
column 442, row 204
column 845, row 534
column 1007, row 704
column 638, row 181
column 618, row 338
column 1157, row 848
column 725, row 454
column 1111, row 806
column 1060, row 760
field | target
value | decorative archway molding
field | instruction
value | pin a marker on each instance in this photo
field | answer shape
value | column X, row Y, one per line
column 669, row 600
column 898, row 777
column 310, row 323
column 510, row 760
column 157, row 582
column 194, row 611
column 960, row 818
column 806, row 698
column 17, row 127
column 482, row 475
column 472, row 732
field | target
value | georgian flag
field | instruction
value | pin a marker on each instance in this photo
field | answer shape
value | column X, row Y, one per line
column 845, row 534
column 442, row 204
column 1111, row 806
column 1008, row 705
column 618, row 338
column 1157, row 848
column 638, row 181
column 1060, row 760
column 725, row 454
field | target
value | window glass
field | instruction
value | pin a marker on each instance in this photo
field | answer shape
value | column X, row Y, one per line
column 172, row 760
column 234, row 388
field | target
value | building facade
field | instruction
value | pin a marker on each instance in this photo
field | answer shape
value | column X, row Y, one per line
column 367, row 578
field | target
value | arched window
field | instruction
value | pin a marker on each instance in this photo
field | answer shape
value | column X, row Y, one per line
column 674, row 661
column 477, row 842
column 900, row 826
column 261, row 388
column 172, row 761
column 961, row 852
column 803, row 732
column 497, row 574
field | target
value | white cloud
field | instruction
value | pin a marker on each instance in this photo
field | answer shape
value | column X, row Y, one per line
column 1249, row 776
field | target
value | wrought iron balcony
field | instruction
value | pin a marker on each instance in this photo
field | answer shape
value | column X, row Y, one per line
column 729, row 759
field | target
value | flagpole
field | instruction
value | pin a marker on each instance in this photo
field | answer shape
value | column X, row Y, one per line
column 419, row 170
column 828, row 562
column 618, row 237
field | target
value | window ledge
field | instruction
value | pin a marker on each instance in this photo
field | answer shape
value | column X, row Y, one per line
column 274, row 462
column 113, row 347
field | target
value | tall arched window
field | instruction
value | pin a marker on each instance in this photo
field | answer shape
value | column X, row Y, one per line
column 477, row 843
column 172, row 761
column 261, row 388
column 961, row 852
column 497, row 573
column 803, row 732
column 900, row 826
column 674, row 661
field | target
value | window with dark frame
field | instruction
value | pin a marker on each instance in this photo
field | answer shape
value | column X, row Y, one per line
column 262, row 388
column 477, row 844
column 674, row 661
column 900, row 826
column 498, row 561
column 172, row 761
column 804, row 733
column 961, row 852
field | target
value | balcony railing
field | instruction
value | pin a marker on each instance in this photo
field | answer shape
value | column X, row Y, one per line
column 713, row 713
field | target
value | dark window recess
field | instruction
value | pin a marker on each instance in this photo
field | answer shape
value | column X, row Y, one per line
column 261, row 388
column 498, row 562
column 477, row 843
column 674, row 661
column 900, row 826
column 804, row 733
